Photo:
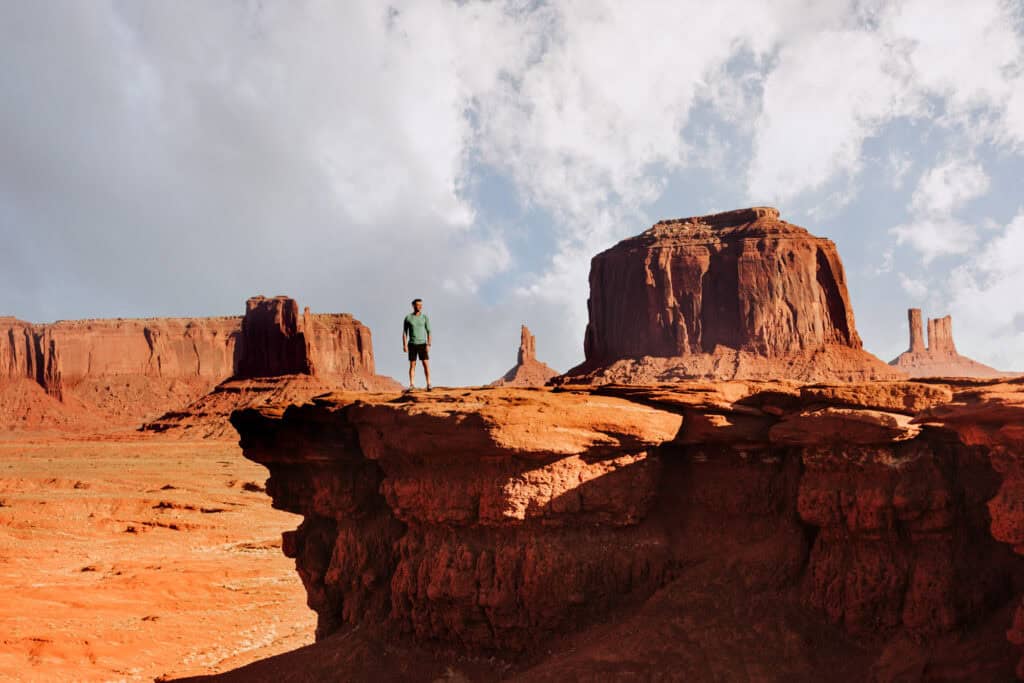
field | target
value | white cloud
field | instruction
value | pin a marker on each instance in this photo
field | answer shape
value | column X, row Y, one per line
column 947, row 187
column 936, row 236
column 986, row 300
column 914, row 287
column 897, row 166
column 942, row 190
column 830, row 91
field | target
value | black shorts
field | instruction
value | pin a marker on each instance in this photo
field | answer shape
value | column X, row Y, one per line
column 418, row 351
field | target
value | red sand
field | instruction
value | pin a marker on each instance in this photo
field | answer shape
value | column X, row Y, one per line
column 137, row 559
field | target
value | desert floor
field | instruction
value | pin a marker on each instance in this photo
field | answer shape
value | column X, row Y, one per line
column 136, row 559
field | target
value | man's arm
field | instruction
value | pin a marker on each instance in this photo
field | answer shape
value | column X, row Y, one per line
column 405, row 331
column 427, row 326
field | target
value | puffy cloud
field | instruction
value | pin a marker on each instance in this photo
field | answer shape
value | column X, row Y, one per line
column 830, row 91
column 949, row 186
column 986, row 300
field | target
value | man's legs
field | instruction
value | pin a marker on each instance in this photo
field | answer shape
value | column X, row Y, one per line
column 412, row 372
column 426, row 371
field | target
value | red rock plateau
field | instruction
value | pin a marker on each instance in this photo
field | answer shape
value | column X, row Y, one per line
column 89, row 375
column 940, row 358
column 528, row 371
column 734, row 295
column 283, row 358
column 703, row 531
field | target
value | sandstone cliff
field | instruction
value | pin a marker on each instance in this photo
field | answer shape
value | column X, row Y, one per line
column 528, row 371
column 940, row 358
column 282, row 358
column 740, row 294
column 718, row 531
column 117, row 370
column 121, row 372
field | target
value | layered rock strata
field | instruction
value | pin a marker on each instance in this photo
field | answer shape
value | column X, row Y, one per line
column 126, row 371
column 528, row 371
column 740, row 294
column 940, row 358
column 283, row 357
column 832, row 530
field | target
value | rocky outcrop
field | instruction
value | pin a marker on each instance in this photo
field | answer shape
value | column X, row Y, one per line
column 273, row 340
column 282, row 358
column 740, row 294
column 528, row 371
column 122, row 372
column 835, row 531
column 940, row 358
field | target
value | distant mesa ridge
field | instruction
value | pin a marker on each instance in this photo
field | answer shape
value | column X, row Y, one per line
column 125, row 370
column 940, row 357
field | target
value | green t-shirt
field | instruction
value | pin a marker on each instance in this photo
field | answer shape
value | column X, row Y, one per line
column 417, row 327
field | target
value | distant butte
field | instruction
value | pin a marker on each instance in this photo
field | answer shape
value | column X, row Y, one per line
column 114, row 373
column 734, row 295
column 940, row 358
column 528, row 371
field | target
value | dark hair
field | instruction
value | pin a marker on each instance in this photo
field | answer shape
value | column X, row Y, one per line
column 415, row 300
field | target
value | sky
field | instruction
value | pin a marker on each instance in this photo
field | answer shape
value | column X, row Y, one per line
column 175, row 158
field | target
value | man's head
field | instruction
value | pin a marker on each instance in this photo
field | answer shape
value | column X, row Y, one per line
column 417, row 305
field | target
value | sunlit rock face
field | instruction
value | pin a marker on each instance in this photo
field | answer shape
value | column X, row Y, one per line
column 940, row 357
column 528, row 371
column 740, row 294
column 571, row 530
column 87, row 374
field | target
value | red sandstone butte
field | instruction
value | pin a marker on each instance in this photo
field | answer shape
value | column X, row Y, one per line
column 528, row 371
column 283, row 357
column 940, row 358
column 740, row 294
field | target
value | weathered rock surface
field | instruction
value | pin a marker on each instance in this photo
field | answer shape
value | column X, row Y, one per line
column 119, row 370
column 528, row 371
column 738, row 530
column 127, row 371
column 740, row 294
column 940, row 358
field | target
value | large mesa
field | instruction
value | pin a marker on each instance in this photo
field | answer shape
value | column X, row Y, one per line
column 740, row 294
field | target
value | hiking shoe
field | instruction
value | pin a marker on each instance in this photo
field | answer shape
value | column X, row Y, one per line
column 429, row 387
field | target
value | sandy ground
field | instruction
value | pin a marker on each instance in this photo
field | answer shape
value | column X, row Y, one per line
column 136, row 559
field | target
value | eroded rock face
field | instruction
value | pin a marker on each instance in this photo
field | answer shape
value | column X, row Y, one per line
column 127, row 371
column 740, row 294
column 503, row 520
column 940, row 358
column 528, row 371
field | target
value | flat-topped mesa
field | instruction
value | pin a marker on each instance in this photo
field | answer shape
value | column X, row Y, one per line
column 127, row 371
column 735, row 294
column 940, row 358
column 528, row 371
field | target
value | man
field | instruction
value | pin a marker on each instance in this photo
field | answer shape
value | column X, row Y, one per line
column 416, row 341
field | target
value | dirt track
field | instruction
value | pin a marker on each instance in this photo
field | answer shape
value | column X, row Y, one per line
column 129, row 560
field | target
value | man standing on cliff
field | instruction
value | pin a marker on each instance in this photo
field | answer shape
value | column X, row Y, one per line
column 416, row 341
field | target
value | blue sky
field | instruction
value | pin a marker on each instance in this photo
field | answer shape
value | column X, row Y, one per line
column 165, row 158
